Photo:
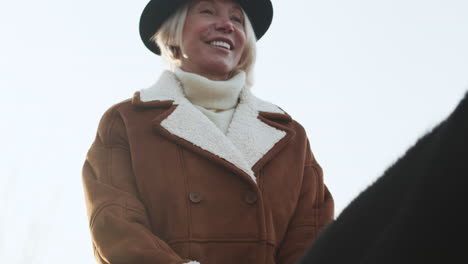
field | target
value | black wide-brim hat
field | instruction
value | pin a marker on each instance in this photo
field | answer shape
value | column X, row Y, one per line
column 260, row 13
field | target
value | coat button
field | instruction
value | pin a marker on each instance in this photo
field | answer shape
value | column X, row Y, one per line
column 250, row 197
column 195, row 197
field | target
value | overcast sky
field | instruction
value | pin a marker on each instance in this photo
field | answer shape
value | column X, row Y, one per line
column 365, row 78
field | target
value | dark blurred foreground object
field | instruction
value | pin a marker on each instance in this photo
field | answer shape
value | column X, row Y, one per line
column 415, row 213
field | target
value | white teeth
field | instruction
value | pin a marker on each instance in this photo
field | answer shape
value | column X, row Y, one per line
column 221, row 44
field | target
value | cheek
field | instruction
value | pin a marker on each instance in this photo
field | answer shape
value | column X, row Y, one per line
column 242, row 41
column 192, row 33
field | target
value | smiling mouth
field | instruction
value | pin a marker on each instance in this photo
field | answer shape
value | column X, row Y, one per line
column 221, row 44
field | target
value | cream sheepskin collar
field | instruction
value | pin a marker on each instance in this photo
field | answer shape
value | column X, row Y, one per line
column 248, row 139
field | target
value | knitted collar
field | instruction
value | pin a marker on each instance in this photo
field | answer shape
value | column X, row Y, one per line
column 216, row 95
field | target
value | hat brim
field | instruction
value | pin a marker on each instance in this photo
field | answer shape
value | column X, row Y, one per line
column 156, row 12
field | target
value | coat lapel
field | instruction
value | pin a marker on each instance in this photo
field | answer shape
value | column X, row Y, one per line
column 252, row 138
column 255, row 133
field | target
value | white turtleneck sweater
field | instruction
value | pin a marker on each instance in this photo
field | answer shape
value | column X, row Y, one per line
column 217, row 100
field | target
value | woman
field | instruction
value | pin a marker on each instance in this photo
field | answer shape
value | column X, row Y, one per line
column 196, row 168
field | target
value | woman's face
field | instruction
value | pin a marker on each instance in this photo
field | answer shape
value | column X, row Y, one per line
column 213, row 38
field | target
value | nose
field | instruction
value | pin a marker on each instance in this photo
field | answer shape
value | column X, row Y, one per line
column 225, row 25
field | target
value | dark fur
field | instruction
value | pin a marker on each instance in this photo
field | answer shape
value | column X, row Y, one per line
column 415, row 213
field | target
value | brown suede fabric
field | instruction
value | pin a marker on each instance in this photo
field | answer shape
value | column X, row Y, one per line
column 153, row 197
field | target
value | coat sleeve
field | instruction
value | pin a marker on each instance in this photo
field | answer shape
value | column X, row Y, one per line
column 314, row 210
column 118, row 221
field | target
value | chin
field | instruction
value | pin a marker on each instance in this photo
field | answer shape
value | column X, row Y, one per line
column 220, row 68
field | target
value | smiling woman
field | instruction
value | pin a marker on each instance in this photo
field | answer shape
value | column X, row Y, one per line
column 213, row 39
column 198, row 32
column 196, row 169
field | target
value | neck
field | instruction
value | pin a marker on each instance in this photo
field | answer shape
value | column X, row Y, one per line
column 211, row 75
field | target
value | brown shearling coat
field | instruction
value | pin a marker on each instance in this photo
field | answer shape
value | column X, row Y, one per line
column 164, row 185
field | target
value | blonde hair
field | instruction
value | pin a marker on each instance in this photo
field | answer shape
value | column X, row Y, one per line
column 169, row 39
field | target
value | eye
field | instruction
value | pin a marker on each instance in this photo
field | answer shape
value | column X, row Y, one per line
column 206, row 11
column 237, row 19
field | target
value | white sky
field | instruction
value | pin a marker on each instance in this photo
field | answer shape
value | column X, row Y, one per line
column 365, row 78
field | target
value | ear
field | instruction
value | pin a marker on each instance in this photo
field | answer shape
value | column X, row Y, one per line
column 175, row 52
